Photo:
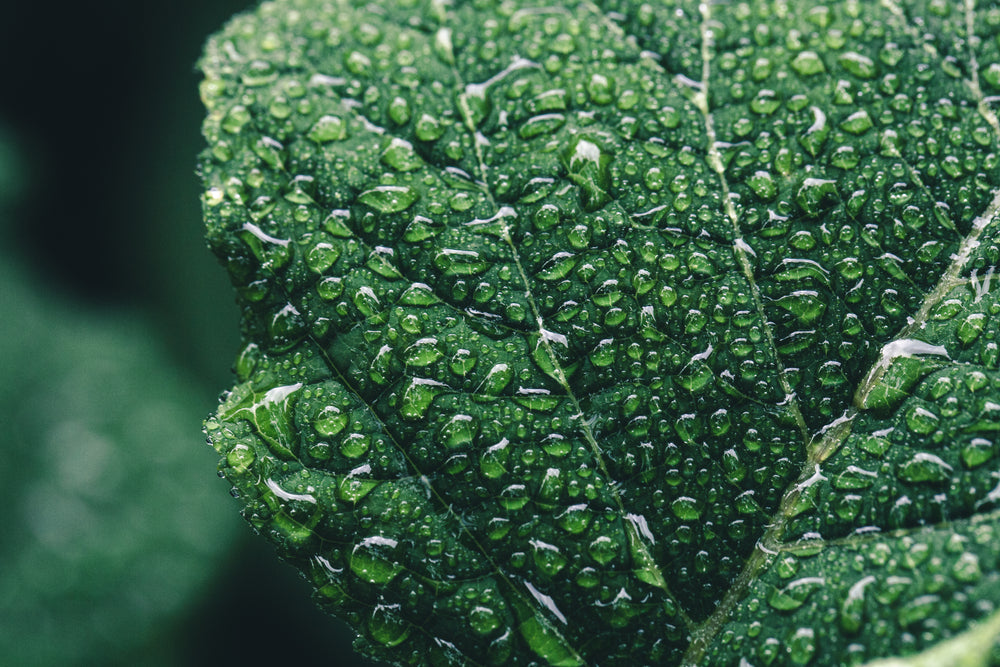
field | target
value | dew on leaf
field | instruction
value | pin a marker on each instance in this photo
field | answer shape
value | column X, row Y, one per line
column 330, row 421
column 924, row 467
column 389, row 198
column 802, row 646
column 857, row 64
column 603, row 549
column 417, row 397
column 857, row 123
column 328, row 128
column 853, row 608
column 807, row 63
column 484, row 620
column 399, row 155
column 686, row 508
column 423, row 352
column 794, row 594
column 386, row 627
column 373, row 560
column 355, row 445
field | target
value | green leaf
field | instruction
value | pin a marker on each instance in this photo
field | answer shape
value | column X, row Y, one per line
column 616, row 333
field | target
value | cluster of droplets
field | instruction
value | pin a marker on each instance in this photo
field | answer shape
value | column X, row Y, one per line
column 516, row 356
column 865, row 597
column 922, row 450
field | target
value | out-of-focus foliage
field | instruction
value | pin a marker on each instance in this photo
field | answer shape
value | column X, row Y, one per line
column 111, row 526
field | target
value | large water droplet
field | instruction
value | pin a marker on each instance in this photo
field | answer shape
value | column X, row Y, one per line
column 374, row 560
column 924, row 467
column 589, row 166
column 389, row 198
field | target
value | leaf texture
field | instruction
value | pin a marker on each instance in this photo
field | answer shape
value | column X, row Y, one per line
column 616, row 333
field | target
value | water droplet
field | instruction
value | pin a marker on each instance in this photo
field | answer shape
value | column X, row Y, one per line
column 765, row 103
column 259, row 73
column 269, row 150
column 459, row 431
column 857, row 64
column 330, row 289
column 545, row 641
column 336, row 223
column 921, row 420
column 236, row 119
column 854, row 477
column 240, row 458
column 924, row 467
column 918, row 609
column 806, row 305
column 815, row 194
column 399, row 155
column 852, row 610
column 399, row 110
column 970, row 328
column 418, row 294
column 513, row 497
column 547, row 558
column 374, row 560
column 815, row 136
column 367, row 302
column 857, row 123
column 802, row 646
column 454, row 262
column 386, row 627
column 686, row 508
column 546, row 123
column 763, row 185
column 330, row 421
column 795, row 593
column 977, row 452
column 603, row 549
column 355, row 445
column 417, row 397
column 423, row 352
column 321, row 256
column 483, row 620
column 589, row 166
column 601, row 89
column 574, row 519
column 428, row 128
column 966, row 568
column 328, row 128
column 496, row 380
column 389, row 198
column 353, row 489
column 807, row 63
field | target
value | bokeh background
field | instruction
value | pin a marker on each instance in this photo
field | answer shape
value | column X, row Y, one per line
column 120, row 546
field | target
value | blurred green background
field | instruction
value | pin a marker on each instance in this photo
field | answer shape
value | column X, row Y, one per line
column 117, row 330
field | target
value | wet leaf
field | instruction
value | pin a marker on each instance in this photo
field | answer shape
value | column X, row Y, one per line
column 681, row 342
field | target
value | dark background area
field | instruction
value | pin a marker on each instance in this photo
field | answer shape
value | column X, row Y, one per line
column 100, row 103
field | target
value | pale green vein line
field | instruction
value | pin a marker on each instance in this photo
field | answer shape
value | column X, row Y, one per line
column 741, row 250
column 834, row 434
column 646, row 569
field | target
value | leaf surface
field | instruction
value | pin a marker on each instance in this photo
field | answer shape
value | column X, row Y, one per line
column 616, row 333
